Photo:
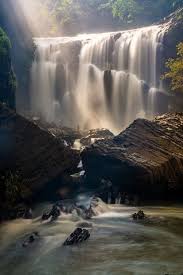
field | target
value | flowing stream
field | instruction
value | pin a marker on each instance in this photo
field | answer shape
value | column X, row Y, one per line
column 98, row 80
column 117, row 245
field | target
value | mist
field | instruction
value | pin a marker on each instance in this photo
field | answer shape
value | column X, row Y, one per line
column 38, row 17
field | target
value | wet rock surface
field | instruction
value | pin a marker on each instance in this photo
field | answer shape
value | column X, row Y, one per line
column 95, row 134
column 40, row 159
column 85, row 225
column 78, row 236
column 67, row 136
column 173, row 34
column 145, row 159
column 24, row 212
column 85, row 210
column 54, row 213
column 139, row 215
column 31, row 239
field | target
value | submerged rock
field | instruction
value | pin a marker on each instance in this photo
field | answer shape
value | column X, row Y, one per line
column 139, row 215
column 31, row 238
column 79, row 235
column 28, row 214
column 86, row 210
column 85, row 225
column 46, row 216
column 146, row 159
column 54, row 213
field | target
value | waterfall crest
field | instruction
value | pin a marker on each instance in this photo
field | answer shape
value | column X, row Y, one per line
column 98, row 80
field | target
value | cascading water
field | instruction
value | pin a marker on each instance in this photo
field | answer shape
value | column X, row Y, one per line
column 102, row 80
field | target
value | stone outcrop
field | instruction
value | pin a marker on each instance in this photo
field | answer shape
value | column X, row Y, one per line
column 39, row 157
column 78, row 236
column 95, row 134
column 173, row 34
column 145, row 159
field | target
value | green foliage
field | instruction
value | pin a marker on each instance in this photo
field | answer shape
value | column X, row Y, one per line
column 126, row 10
column 68, row 11
column 175, row 70
column 14, row 189
column 7, row 77
column 77, row 13
column 143, row 10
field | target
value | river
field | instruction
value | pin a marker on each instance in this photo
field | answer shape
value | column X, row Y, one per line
column 118, row 245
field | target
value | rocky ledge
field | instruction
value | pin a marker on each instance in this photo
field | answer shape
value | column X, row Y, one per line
column 146, row 159
column 39, row 157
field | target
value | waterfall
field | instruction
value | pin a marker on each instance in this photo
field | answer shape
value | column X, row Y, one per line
column 99, row 80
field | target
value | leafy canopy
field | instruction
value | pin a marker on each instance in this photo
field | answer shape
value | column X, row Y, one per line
column 79, row 13
column 175, row 70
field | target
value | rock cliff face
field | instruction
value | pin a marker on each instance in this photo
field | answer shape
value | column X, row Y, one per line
column 37, row 155
column 145, row 159
column 173, row 35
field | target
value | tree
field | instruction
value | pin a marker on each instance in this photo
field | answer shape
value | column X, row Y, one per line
column 125, row 10
column 175, row 70
column 146, row 11
column 7, row 77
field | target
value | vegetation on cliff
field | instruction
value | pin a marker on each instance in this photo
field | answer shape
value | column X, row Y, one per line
column 55, row 17
column 76, row 15
column 7, row 77
column 12, row 192
column 175, row 70
column 139, row 11
column 14, row 23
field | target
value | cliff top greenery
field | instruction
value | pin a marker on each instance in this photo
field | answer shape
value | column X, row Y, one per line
column 85, row 15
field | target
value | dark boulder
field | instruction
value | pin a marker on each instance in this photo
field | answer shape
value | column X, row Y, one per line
column 54, row 213
column 31, row 239
column 65, row 135
column 28, row 214
column 78, row 236
column 40, row 158
column 46, row 216
column 146, row 159
column 139, row 215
